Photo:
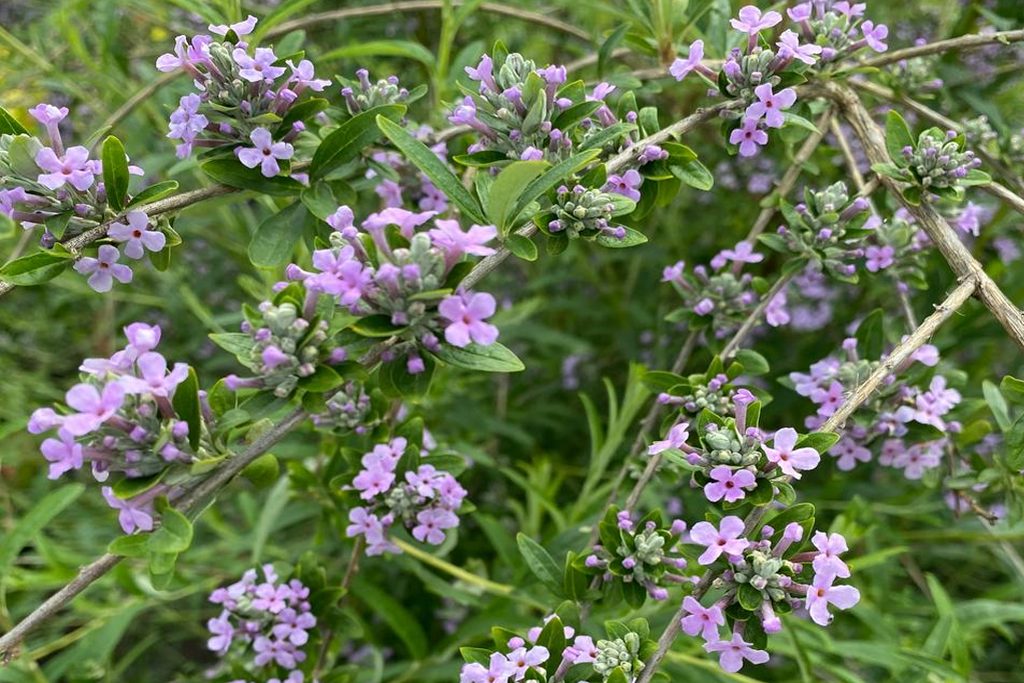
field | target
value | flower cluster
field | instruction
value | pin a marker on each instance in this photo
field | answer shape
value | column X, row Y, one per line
column 418, row 497
column 63, row 191
column 122, row 419
column 908, row 425
column 272, row 617
column 722, row 297
column 636, row 558
column 408, row 286
column 898, row 247
column 760, row 580
column 915, row 75
column 349, row 409
column 758, row 75
column 828, row 227
column 522, row 112
column 939, row 160
column 244, row 97
column 620, row 656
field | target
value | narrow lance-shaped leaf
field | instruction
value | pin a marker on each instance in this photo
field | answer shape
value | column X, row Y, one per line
column 115, row 172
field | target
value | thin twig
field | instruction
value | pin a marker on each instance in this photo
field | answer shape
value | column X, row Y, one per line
column 894, row 361
column 134, row 101
column 419, row 5
column 939, row 231
column 959, row 43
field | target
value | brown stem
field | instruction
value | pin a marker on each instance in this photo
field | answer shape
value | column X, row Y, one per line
column 960, row 43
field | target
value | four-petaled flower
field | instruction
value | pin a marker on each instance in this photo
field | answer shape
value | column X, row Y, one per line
column 498, row 671
column 879, row 258
column 72, row 168
column 242, row 28
column 789, row 46
column 726, row 539
column 830, row 547
column 450, row 237
column 63, row 454
column 788, row 458
column 822, row 593
column 466, row 314
column 523, row 659
column 265, row 152
column 681, row 68
column 259, row 67
column 676, row 438
column 770, row 105
column 729, row 484
column 749, row 137
column 702, row 620
column 625, row 184
column 875, row 35
column 93, row 407
column 155, row 380
column 751, row 21
column 734, row 651
column 137, row 235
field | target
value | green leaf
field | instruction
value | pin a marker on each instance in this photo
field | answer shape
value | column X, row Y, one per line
column 186, row 404
column 398, row 618
column 1013, row 389
column 871, row 335
column 379, row 325
column 274, row 241
column 173, row 536
column 506, row 190
column 324, row 378
column 897, row 136
column 819, row 441
column 130, row 546
column 522, row 247
column 475, row 655
column 749, row 597
column 235, row 343
column 997, row 404
column 351, row 138
column 115, row 172
column 553, row 177
column 694, row 174
column 795, row 120
column 753, row 363
column 382, row 48
column 632, row 238
column 153, row 193
column 491, row 358
column 36, row 268
column 10, row 125
column 424, row 159
column 541, row 564
column 263, row 471
column 231, row 172
column 574, row 114
column 32, row 522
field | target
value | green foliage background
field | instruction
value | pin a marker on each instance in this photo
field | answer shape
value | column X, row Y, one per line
column 943, row 598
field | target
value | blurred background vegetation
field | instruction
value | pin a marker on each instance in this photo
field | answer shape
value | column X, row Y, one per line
column 943, row 598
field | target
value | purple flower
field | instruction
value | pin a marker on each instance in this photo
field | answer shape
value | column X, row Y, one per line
column 752, row 21
column 185, row 55
column 63, row 454
column 800, row 13
column 625, row 184
column 280, row 651
column 854, row 10
column 702, row 620
column 790, row 47
column 258, row 68
column 131, row 517
column 675, row 439
column 450, row 237
column 681, row 68
column 822, row 594
column 303, row 77
column 265, row 152
column 874, row 35
column 726, row 539
column 293, row 626
column 155, row 380
column 743, row 252
column 223, row 633
column 72, row 168
column 372, row 481
column 483, row 73
column 786, row 457
column 674, row 272
column 47, row 114
column 466, row 314
column 770, row 105
column 749, row 137
column 828, row 400
column 432, row 523
column 8, row 198
column 242, row 28
column 879, row 258
column 729, row 484
column 137, row 235
column 341, row 275
column 734, row 651
column 830, row 547
column 523, row 659
column 582, row 651
column 407, row 221
column 849, row 452
column 366, row 524
column 142, row 337
column 93, row 408
column 498, row 671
